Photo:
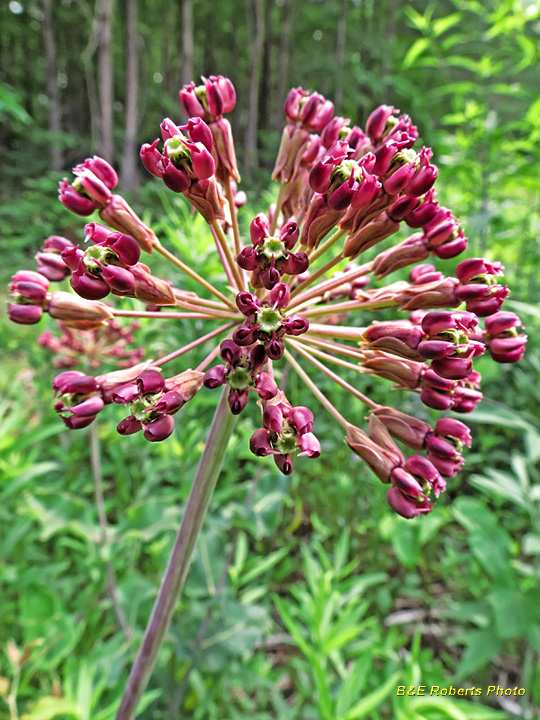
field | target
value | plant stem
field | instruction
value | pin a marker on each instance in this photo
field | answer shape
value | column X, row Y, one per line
column 316, row 275
column 165, row 315
column 321, row 397
column 180, row 558
column 234, row 218
column 112, row 585
column 329, row 358
column 235, row 269
column 332, row 375
column 337, row 331
column 194, row 344
column 279, row 202
column 192, row 274
column 331, row 284
column 326, row 245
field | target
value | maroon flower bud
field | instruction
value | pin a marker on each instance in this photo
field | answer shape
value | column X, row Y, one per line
column 118, row 279
column 215, row 376
column 152, row 159
column 425, row 470
column 331, row 132
column 406, row 506
column 237, row 400
column 245, row 335
column 454, row 429
column 274, row 347
column 422, row 181
column 72, row 422
column 150, row 382
column 475, row 269
column 230, row 352
column 129, row 426
column 248, row 258
column 424, row 213
column 259, row 443
column 377, row 121
column 169, row 403
column 400, row 338
column 320, row 176
column 220, row 94
column 342, row 196
column 159, row 429
column 88, row 286
column 401, row 207
column 74, row 382
column 295, row 325
column 310, row 445
column 501, row 322
column 369, row 188
column 266, row 386
column 176, row 180
column 88, row 408
column 270, row 277
column 125, row 394
column 302, row 419
column 24, row 314
column 125, row 247
column 452, row 368
column 248, row 303
column 284, row 463
column 190, row 102
column 406, row 483
column 383, row 157
column 71, row 199
column 296, row 263
column 273, row 419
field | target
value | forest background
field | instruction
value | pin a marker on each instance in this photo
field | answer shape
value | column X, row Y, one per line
column 307, row 597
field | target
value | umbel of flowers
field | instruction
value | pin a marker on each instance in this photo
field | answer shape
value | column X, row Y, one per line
column 296, row 292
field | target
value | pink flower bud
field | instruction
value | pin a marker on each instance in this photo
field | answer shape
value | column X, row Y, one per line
column 424, row 274
column 273, row 419
column 203, row 163
column 71, row 199
column 401, row 207
column 24, row 314
column 279, row 296
column 320, row 176
column 447, row 467
column 51, row 266
column 509, row 349
column 199, row 132
column 74, row 382
column 310, row 445
column 376, row 122
column 190, row 102
column 342, row 196
column 399, row 179
column 152, row 159
column 266, row 386
column 125, row 247
column 230, row 352
column 72, row 257
column 295, row 325
column 406, row 506
column 247, row 259
column 103, row 170
column 56, row 243
column 89, row 407
column 302, row 419
column 169, row 403
column 245, row 335
column 270, row 276
column 452, row 368
column 423, row 180
column 406, row 483
column 274, row 347
column 92, row 185
column 176, row 180
column 259, row 229
column 289, row 234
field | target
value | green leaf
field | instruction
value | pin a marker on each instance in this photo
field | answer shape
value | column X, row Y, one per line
column 260, row 566
column 416, row 49
column 292, row 626
column 482, row 646
column 373, row 699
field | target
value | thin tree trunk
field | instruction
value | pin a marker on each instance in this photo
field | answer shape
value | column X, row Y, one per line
column 283, row 63
column 129, row 157
column 256, row 25
column 187, row 42
column 105, row 77
column 53, row 91
column 341, row 38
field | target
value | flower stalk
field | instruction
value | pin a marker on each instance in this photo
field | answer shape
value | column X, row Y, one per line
column 180, row 558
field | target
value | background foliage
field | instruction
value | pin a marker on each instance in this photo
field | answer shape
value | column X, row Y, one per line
column 307, row 597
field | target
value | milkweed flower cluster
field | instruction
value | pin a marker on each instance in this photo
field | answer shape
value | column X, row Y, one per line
column 296, row 291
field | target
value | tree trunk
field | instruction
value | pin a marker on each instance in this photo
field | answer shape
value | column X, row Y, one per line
column 283, row 63
column 341, row 37
column 186, row 75
column 256, row 33
column 53, row 91
column 130, row 155
column 105, row 77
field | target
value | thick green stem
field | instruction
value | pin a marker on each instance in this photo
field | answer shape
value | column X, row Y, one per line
column 180, row 558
